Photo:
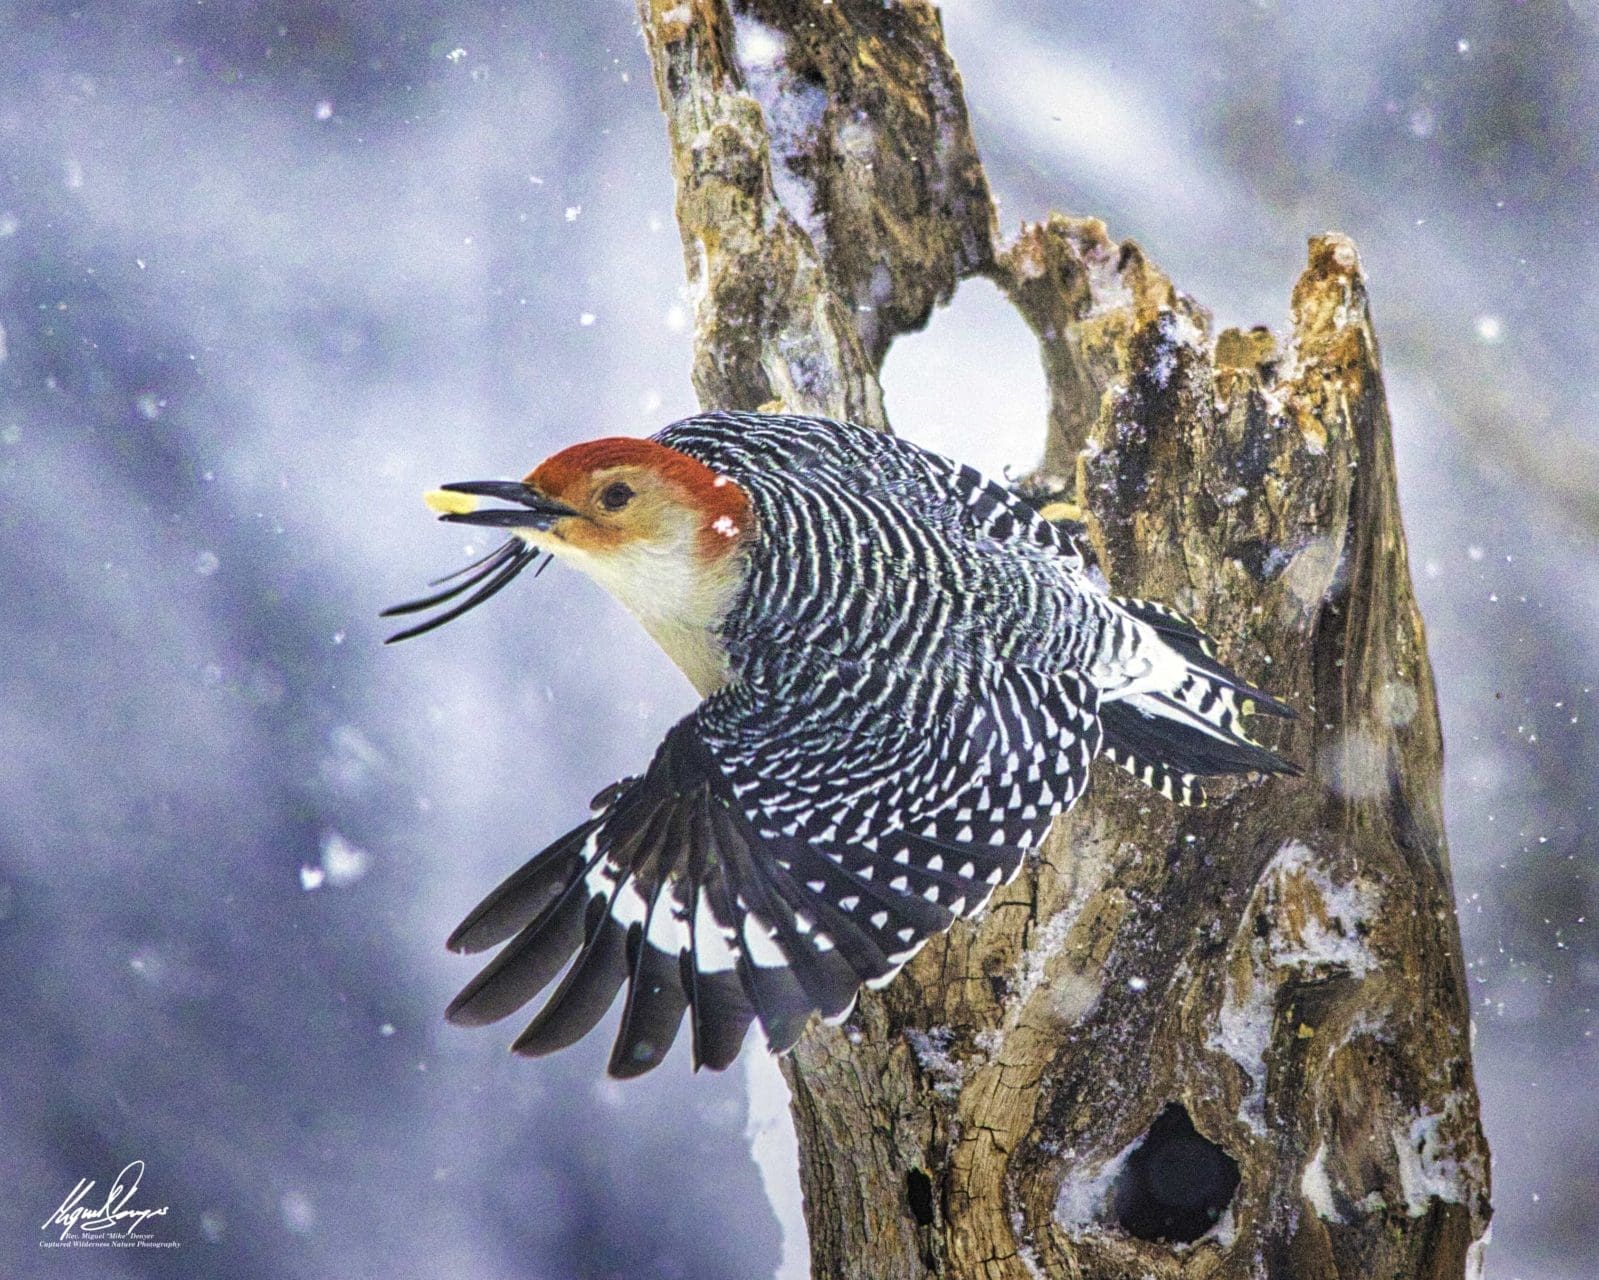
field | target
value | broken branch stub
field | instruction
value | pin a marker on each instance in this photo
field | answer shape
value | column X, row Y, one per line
column 828, row 191
column 1229, row 1041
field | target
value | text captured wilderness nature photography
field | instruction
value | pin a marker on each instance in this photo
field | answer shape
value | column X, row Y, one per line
column 269, row 272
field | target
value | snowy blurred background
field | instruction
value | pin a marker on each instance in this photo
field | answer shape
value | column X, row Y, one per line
column 269, row 270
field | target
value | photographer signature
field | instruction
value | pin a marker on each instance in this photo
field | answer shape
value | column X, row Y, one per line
column 115, row 1217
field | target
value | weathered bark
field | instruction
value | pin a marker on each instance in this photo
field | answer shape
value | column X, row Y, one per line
column 1284, row 966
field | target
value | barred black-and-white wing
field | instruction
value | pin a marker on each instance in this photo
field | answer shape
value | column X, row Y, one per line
column 778, row 853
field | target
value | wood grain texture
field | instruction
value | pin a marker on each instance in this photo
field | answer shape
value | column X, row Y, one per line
column 1284, row 965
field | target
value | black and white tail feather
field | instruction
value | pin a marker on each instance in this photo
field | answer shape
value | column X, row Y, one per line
column 1192, row 727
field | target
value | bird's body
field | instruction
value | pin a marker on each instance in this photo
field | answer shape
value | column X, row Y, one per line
column 906, row 674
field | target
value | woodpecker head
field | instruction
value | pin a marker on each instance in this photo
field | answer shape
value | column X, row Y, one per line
column 658, row 529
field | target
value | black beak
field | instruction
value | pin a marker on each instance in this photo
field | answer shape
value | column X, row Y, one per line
column 533, row 510
column 494, row 571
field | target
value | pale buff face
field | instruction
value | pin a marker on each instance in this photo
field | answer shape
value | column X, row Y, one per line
column 675, row 567
column 658, row 529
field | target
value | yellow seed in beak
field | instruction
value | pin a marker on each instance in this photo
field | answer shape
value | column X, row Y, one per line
column 447, row 502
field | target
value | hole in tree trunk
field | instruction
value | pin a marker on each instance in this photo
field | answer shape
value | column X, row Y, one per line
column 976, row 361
column 1176, row 1183
column 919, row 1191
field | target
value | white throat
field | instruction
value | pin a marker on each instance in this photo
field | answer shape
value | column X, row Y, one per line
column 680, row 598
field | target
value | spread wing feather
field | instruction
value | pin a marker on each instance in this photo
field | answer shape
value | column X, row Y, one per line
column 767, row 865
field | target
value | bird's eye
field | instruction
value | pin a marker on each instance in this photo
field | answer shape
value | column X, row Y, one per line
column 615, row 496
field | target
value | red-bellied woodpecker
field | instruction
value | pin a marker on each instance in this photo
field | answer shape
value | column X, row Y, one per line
column 906, row 673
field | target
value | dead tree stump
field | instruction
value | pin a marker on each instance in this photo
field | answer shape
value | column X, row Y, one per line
column 1223, row 1042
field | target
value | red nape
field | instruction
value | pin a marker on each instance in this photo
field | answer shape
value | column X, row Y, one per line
column 723, row 504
